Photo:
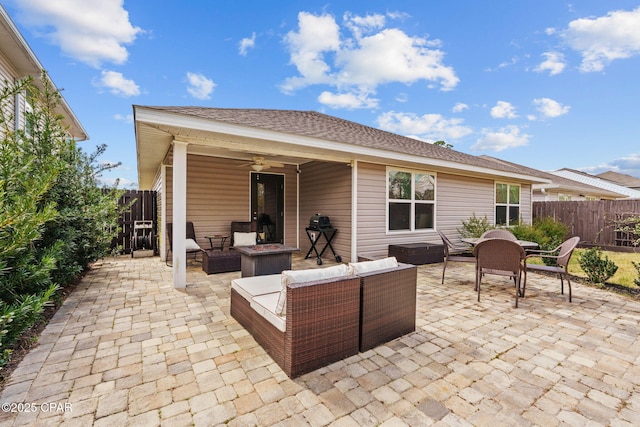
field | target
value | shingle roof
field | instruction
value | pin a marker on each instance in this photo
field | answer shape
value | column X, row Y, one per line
column 620, row 178
column 597, row 182
column 330, row 128
column 562, row 181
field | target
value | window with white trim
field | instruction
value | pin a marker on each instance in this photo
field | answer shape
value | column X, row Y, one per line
column 410, row 200
column 507, row 204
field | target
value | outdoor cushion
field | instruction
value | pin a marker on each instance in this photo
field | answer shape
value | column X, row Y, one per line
column 244, row 239
column 299, row 276
column 369, row 266
column 249, row 287
column 265, row 306
column 191, row 246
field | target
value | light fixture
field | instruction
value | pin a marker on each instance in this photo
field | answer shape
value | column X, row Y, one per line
column 257, row 168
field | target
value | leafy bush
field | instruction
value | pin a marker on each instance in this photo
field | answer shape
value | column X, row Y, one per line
column 637, row 267
column 475, row 226
column 546, row 232
column 597, row 269
column 54, row 217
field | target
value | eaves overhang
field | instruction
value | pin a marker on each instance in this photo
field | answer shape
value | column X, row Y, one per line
column 166, row 126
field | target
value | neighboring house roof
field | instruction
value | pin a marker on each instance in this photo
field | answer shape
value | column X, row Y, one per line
column 597, row 182
column 621, row 179
column 25, row 62
column 311, row 127
column 562, row 184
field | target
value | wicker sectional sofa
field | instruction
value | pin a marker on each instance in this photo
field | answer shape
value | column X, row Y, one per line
column 324, row 319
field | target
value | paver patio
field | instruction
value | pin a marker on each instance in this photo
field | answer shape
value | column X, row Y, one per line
column 128, row 349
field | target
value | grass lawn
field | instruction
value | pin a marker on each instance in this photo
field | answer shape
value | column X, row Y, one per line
column 625, row 275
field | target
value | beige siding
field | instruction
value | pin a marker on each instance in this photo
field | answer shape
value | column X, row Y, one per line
column 218, row 192
column 9, row 74
column 457, row 199
column 326, row 188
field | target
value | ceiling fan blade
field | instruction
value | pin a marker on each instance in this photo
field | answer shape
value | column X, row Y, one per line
column 274, row 164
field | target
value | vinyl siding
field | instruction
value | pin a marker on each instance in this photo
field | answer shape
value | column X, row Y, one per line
column 9, row 74
column 326, row 188
column 218, row 193
column 457, row 199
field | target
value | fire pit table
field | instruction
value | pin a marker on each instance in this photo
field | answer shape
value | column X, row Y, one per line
column 260, row 260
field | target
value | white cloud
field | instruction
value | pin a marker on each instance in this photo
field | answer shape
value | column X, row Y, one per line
column 127, row 118
column 507, row 137
column 503, row 110
column 628, row 165
column 459, row 107
column 118, row 84
column 550, row 108
column 604, row 39
column 247, row 43
column 347, row 100
column 554, row 63
column 428, row 127
column 373, row 56
column 90, row 31
column 200, row 87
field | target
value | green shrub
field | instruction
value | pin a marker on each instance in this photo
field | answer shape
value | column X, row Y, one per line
column 637, row 267
column 54, row 217
column 475, row 226
column 597, row 269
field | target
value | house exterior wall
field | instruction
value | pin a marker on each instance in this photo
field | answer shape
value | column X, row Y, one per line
column 218, row 192
column 9, row 74
column 326, row 188
column 457, row 199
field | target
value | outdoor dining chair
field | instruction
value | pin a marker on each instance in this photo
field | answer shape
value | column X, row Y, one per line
column 562, row 255
column 191, row 245
column 499, row 257
column 454, row 253
column 498, row 233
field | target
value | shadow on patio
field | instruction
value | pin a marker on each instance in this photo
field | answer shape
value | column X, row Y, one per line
column 128, row 349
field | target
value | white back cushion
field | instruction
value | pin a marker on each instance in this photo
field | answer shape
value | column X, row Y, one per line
column 244, row 239
column 369, row 266
column 300, row 276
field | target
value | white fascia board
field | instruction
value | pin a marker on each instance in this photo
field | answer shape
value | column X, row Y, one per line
column 208, row 125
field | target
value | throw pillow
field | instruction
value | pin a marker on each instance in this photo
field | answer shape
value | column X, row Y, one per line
column 244, row 239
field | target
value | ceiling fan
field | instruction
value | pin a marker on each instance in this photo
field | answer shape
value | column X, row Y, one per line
column 259, row 164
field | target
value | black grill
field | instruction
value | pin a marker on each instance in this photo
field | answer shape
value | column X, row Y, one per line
column 319, row 222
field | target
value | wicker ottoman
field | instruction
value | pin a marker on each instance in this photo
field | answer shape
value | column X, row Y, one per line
column 220, row 261
column 417, row 253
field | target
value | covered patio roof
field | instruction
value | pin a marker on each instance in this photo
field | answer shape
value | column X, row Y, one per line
column 292, row 137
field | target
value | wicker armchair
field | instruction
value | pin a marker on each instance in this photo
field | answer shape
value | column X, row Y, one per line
column 192, row 246
column 500, row 257
column 564, row 252
column 454, row 253
column 388, row 306
column 322, row 324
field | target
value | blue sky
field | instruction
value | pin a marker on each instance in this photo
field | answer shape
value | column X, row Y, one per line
column 544, row 83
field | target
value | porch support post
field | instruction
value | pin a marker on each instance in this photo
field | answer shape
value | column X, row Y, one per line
column 163, row 213
column 354, row 211
column 179, row 214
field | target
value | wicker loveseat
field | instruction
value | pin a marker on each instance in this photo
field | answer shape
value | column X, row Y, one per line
column 322, row 318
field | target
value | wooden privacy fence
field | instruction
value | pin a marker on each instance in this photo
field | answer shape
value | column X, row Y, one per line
column 593, row 221
column 144, row 207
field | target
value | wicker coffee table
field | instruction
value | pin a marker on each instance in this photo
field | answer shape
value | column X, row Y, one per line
column 260, row 260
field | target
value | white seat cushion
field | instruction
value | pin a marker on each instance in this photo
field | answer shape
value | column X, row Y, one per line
column 369, row 266
column 310, row 275
column 192, row 246
column 244, row 239
column 249, row 287
column 265, row 306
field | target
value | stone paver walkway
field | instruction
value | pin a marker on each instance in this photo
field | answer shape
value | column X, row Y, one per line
column 128, row 349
